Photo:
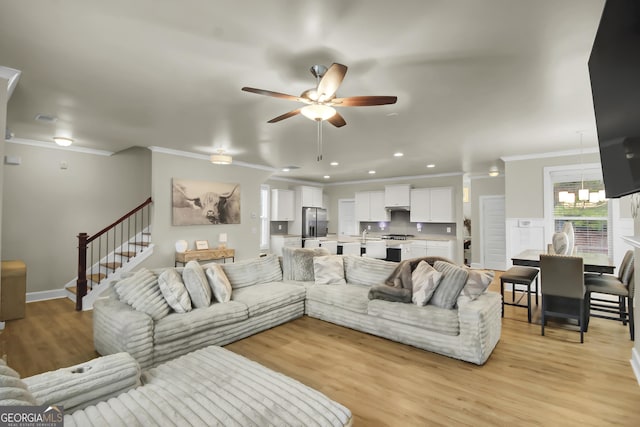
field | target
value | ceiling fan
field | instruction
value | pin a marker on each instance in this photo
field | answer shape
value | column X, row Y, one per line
column 321, row 100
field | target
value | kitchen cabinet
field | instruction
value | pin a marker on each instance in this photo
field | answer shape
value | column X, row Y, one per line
column 311, row 197
column 370, row 206
column 280, row 241
column 282, row 203
column 432, row 205
column 398, row 195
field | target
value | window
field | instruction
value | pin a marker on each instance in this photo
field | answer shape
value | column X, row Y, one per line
column 590, row 218
column 264, row 217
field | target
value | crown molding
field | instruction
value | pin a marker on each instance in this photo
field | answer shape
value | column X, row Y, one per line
column 366, row 181
column 54, row 146
column 549, row 154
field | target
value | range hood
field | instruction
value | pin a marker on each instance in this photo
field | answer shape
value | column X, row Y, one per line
column 397, row 208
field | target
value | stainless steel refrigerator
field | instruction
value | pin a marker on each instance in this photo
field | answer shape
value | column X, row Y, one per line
column 314, row 222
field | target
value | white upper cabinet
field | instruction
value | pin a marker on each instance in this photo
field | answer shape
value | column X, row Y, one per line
column 432, row 205
column 311, row 197
column 370, row 206
column 398, row 195
column 282, row 205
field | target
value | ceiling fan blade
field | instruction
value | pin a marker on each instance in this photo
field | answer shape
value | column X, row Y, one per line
column 285, row 116
column 363, row 101
column 331, row 81
column 337, row 120
column 271, row 93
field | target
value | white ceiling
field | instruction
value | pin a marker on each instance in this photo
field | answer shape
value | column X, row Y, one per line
column 475, row 79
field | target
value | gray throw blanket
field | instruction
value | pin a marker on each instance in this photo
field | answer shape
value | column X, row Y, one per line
column 398, row 287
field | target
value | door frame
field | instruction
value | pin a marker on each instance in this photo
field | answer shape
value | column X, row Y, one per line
column 481, row 201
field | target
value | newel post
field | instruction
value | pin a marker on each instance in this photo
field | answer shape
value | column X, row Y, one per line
column 81, row 286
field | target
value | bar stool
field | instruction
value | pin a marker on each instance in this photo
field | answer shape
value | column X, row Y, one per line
column 520, row 276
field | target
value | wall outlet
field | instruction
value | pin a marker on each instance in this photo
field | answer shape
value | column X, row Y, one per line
column 448, row 229
column 368, row 227
column 279, row 226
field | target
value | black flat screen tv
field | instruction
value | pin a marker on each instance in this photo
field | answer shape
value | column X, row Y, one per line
column 614, row 69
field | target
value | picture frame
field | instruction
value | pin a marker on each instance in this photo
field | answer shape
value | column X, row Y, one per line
column 202, row 245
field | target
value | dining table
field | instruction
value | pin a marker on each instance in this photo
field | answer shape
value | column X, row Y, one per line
column 593, row 262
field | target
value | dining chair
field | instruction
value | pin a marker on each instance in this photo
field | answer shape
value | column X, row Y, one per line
column 621, row 287
column 351, row 248
column 330, row 245
column 375, row 249
column 563, row 289
column 312, row 243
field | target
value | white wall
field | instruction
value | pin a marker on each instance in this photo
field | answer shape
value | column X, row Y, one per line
column 45, row 207
column 243, row 237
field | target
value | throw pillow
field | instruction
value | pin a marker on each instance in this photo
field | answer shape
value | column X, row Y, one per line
column 174, row 290
column 477, row 283
column 328, row 270
column 367, row 271
column 425, row 281
column 560, row 243
column 219, row 283
column 453, row 280
column 297, row 263
column 13, row 391
column 253, row 271
column 142, row 292
column 197, row 284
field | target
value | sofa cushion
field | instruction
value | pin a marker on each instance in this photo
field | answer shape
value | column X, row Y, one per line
column 367, row 271
column 265, row 297
column 477, row 282
column 174, row 290
column 197, row 284
column 425, row 280
column 429, row 317
column 351, row 297
column 328, row 270
column 297, row 263
column 142, row 292
column 253, row 271
column 185, row 324
column 219, row 283
column 453, row 280
column 13, row 391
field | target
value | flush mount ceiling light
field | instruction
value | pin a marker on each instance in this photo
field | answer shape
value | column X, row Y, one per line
column 63, row 141
column 220, row 158
column 494, row 171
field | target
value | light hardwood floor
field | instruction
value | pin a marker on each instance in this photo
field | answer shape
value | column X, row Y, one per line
column 528, row 380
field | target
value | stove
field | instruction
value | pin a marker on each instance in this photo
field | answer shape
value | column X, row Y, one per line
column 397, row 236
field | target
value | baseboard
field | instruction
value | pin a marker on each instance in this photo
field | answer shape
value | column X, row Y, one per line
column 46, row 295
column 635, row 363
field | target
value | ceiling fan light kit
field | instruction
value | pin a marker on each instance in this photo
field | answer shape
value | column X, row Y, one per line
column 318, row 112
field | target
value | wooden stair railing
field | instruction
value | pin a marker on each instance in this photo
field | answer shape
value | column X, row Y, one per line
column 117, row 235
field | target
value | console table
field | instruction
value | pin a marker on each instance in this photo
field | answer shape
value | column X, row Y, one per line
column 205, row 255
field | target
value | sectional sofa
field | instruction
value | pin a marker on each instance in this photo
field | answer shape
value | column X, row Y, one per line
column 269, row 291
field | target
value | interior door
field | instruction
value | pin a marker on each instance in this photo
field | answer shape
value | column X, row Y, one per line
column 492, row 232
column 347, row 217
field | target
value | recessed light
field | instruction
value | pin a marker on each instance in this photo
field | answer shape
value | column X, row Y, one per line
column 431, row 165
column 334, row 163
column 398, row 154
column 285, row 169
column 392, row 114
column 371, row 172
column 327, row 177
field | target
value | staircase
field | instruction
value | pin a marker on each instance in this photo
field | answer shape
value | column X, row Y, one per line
column 106, row 255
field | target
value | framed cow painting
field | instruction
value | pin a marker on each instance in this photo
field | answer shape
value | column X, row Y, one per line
column 202, row 202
